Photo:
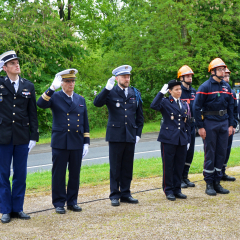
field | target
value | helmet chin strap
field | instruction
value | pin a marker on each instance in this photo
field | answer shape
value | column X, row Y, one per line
column 188, row 83
column 215, row 74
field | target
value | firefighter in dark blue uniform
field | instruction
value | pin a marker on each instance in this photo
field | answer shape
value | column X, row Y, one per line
column 188, row 95
column 225, row 177
column 18, row 135
column 175, row 137
column 124, row 128
column 213, row 111
column 70, row 138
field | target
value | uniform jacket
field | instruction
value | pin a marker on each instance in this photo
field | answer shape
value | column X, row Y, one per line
column 235, row 110
column 213, row 96
column 70, row 128
column 176, row 126
column 125, row 119
column 18, row 112
column 188, row 95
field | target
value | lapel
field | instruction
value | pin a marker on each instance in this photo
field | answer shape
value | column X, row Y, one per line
column 21, row 85
column 120, row 92
column 8, row 85
column 74, row 103
column 65, row 97
column 131, row 93
column 174, row 104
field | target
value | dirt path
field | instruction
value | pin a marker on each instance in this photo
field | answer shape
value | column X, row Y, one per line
column 198, row 217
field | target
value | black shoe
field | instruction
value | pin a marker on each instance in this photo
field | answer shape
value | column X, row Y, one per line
column 60, row 210
column 180, row 195
column 171, row 197
column 210, row 190
column 225, row 177
column 74, row 208
column 129, row 200
column 6, row 218
column 20, row 215
column 115, row 202
column 219, row 189
column 189, row 184
column 183, row 184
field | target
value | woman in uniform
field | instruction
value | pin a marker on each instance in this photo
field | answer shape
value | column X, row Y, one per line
column 175, row 137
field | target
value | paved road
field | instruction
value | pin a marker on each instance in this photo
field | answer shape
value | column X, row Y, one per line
column 40, row 158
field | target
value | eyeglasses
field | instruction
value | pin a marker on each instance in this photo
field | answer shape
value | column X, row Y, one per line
column 69, row 81
column 221, row 69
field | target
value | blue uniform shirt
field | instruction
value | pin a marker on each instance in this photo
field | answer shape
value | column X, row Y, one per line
column 213, row 96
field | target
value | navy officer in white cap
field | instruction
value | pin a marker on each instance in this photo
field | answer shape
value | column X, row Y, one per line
column 18, row 135
column 124, row 128
column 70, row 138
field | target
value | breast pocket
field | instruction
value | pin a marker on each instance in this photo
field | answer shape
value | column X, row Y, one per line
column 3, row 94
column 26, row 95
column 117, row 102
column 133, row 104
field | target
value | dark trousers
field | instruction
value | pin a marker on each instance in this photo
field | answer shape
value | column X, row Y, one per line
column 12, row 200
column 190, row 153
column 61, row 158
column 121, row 157
column 230, row 139
column 215, row 149
column 173, row 158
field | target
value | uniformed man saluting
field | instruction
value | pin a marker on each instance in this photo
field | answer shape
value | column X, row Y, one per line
column 70, row 138
column 175, row 137
column 213, row 111
column 18, row 135
column 125, row 123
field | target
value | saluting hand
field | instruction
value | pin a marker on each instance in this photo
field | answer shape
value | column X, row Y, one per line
column 202, row 133
column 164, row 89
column 110, row 83
column 56, row 82
column 1, row 65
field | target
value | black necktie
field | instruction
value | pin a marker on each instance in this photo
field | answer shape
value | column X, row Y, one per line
column 13, row 83
column 178, row 104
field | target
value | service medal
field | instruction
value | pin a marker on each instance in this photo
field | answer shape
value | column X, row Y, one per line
column 117, row 104
column 172, row 117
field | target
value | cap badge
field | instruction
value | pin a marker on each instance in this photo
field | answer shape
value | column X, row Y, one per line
column 71, row 71
column 126, row 67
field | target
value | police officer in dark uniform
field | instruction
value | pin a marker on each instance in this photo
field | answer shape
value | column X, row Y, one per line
column 225, row 177
column 18, row 135
column 213, row 111
column 70, row 138
column 188, row 95
column 124, row 128
column 175, row 137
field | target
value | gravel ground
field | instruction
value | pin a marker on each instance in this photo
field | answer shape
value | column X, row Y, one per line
column 198, row 217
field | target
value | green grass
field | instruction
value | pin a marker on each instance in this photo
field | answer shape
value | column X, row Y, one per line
column 99, row 174
column 101, row 132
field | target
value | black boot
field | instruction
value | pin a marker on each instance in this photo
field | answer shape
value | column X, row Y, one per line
column 219, row 189
column 225, row 177
column 183, row 184
column 187, row 181
column 210, row 190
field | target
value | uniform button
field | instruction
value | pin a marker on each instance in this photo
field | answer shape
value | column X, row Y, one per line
column 125, row 109
column 78, row 114
column 14, row 106
column 13, row 121
column 113, row 125
column 77, row 131
column 179, row 119
column 125, row 103
column 179, row 115
column 125, row 122
column 68, row 124
column 78, row 120
column 14, row 97
column 27, row 123
column 13, row 113
column 68, row 119
column 125, row 115
column 179, row 128
column 67, row 113
column 179, row 124
column 68, row 130
column 186, row 130
column 77, row 125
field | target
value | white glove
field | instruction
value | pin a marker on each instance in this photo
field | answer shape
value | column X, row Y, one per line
column 137, row 139
column 1, row 65
column 31, row 145
column 56, row 82
column 85, row 150
column 164, row 89
column 188, row 145
column 110, row 83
